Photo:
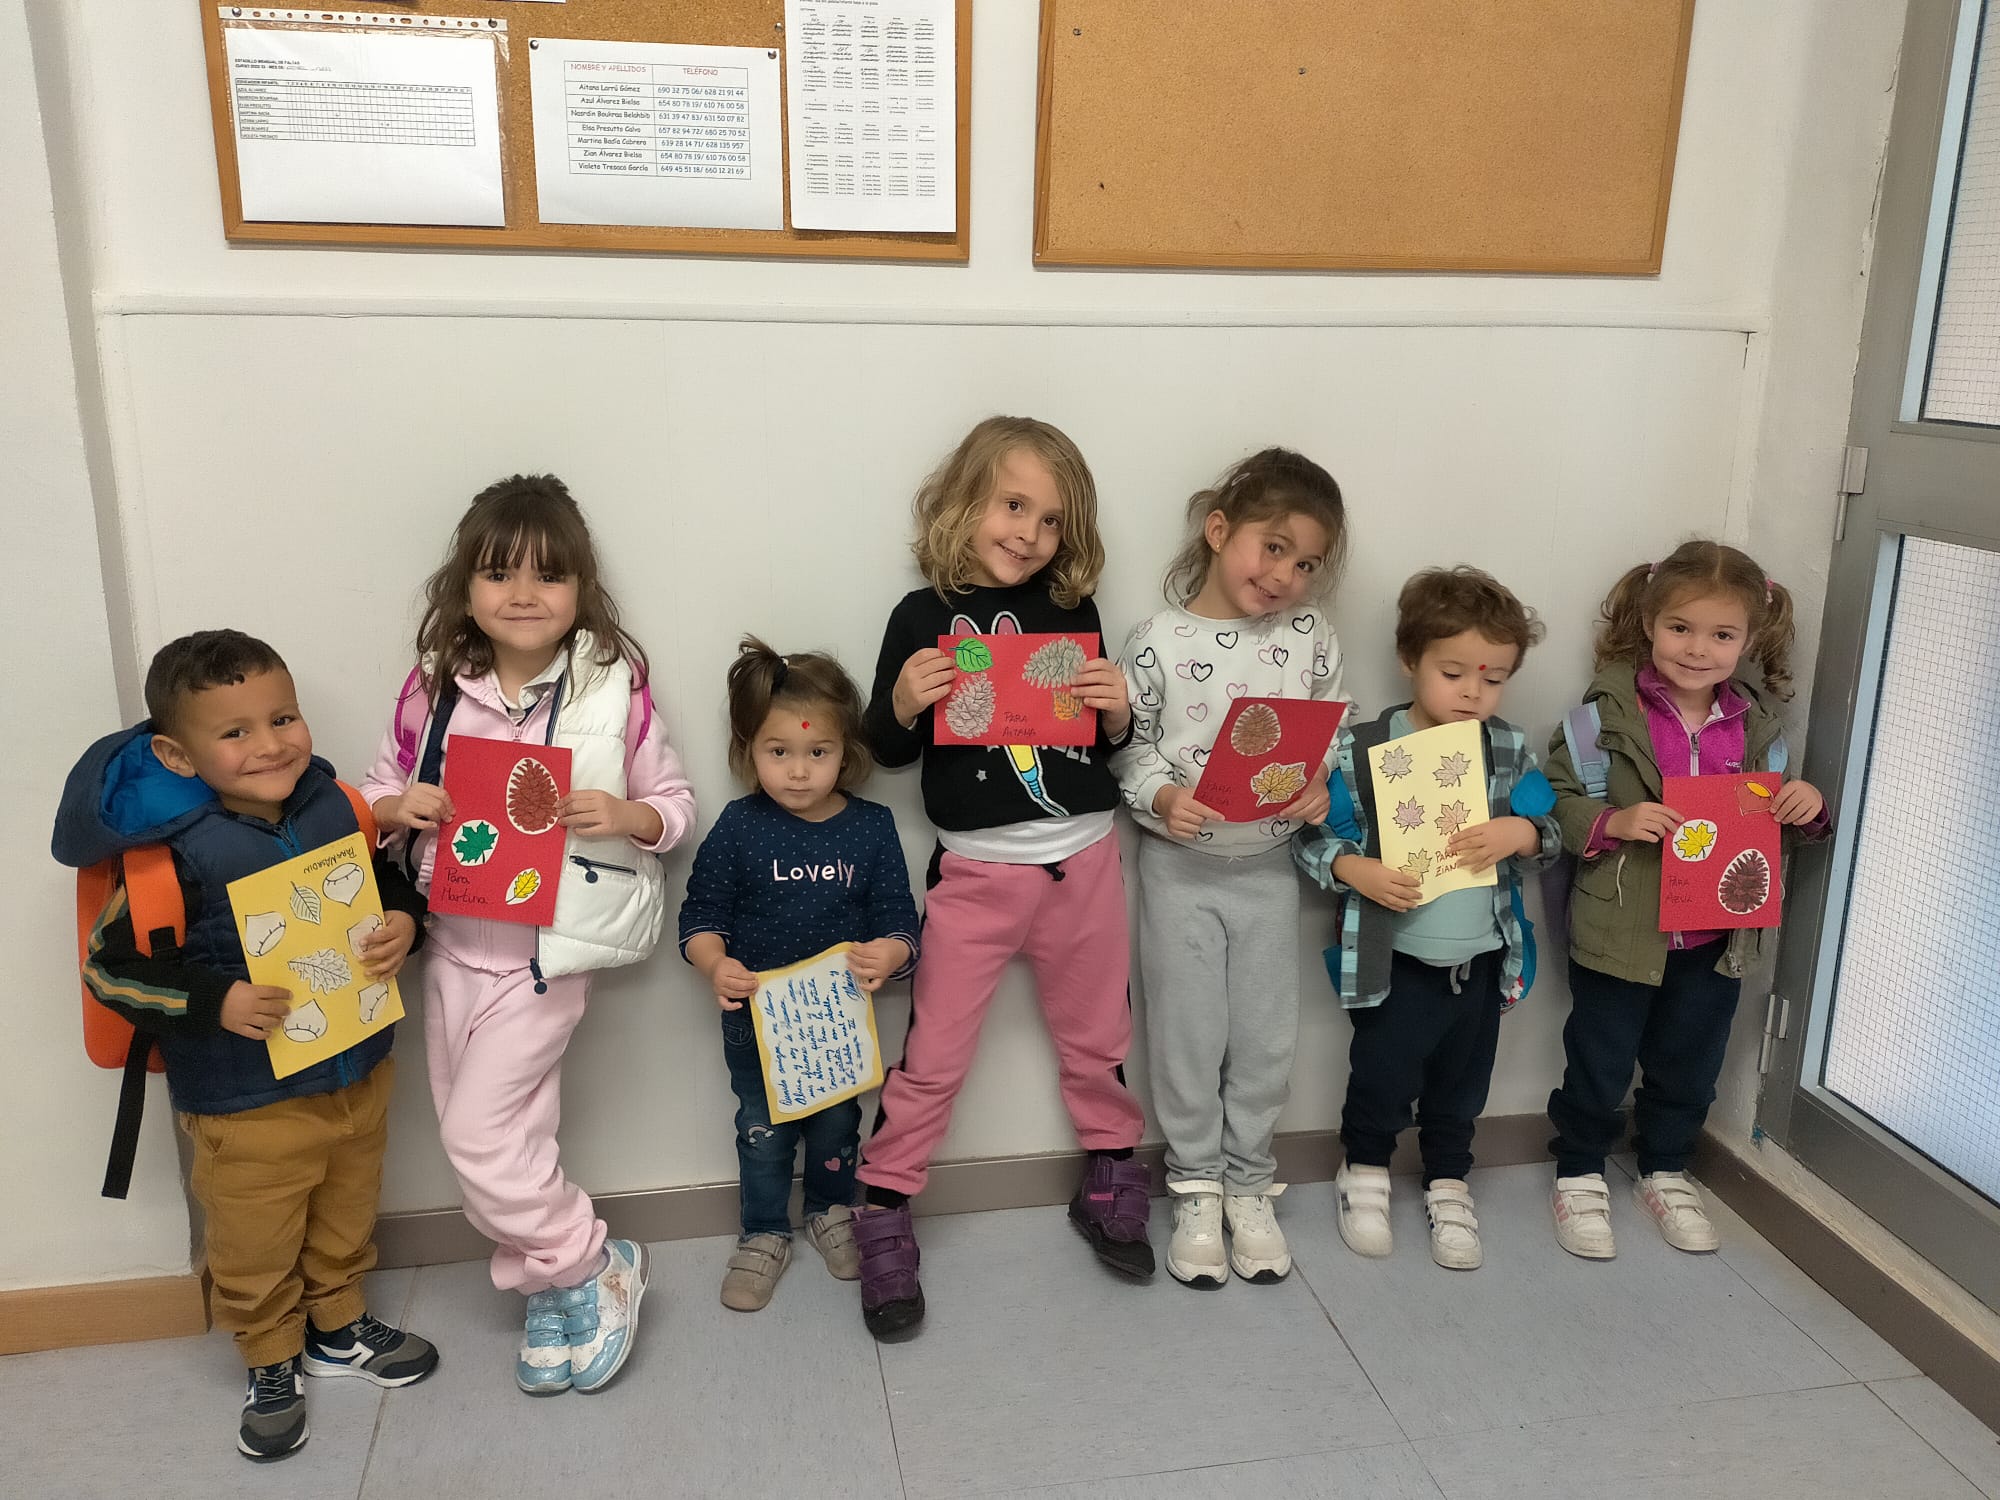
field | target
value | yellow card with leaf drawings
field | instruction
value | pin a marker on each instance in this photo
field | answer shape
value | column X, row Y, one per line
column 1428, row 785
column 816, row 1033
column 301, row 924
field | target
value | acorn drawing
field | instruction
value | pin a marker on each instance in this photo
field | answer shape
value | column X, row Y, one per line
column 1256, row 730
column 969, row 709
column 1745, row 884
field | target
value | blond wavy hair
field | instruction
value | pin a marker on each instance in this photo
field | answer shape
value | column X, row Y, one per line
column 952, row 501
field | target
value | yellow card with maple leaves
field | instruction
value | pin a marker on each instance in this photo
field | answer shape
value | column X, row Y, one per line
column 301, row 924
column 1428, row 785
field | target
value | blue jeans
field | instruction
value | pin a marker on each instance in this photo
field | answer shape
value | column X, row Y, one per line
column 766, row 1151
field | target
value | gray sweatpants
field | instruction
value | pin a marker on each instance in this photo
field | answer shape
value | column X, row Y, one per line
column 1219, row 958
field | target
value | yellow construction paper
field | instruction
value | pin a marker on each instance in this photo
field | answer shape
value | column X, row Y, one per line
column 1428, row 785
column 816, row 1034
column 301, row 924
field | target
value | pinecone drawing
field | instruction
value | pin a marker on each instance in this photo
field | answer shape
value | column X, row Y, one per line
column 1054, row 665
column 1746, row 883
column 1255, row 731
column 969, row 709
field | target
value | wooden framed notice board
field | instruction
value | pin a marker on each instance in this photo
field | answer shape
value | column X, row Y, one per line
column 721, row 23
column 1447, row 135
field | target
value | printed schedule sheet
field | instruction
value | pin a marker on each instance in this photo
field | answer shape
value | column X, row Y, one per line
column 871, row 99
column 656, row 133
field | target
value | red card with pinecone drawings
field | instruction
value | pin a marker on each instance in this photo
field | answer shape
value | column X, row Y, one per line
column 1265, row 753
column 501, row 856
column 1719, row 868
column 1016, row 690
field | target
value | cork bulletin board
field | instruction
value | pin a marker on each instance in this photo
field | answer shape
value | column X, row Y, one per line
column 1440, row 135
column 741, row 23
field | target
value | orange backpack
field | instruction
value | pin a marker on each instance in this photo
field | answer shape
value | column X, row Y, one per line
column 159, row 921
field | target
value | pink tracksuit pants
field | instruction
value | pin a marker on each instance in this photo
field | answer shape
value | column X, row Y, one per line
column 495, row 1053
column 977, row 916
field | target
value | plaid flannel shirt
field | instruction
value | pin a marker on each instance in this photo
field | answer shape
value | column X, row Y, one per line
column 1511, row 768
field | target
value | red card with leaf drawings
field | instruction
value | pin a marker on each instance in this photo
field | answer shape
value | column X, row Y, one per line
column 1015, row 690
column 501, row 856
column 1265, row 753
column 1719, row 868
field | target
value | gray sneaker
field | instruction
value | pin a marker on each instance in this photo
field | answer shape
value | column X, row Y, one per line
column 274, row 1412
column 754, row 1268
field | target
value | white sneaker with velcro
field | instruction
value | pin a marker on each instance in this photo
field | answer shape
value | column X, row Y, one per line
column 1582, row 1207
column 1676, row 1207
column 1257, row 1248
column 1362, row 1196
column 1454, row 1230
column 1195, row 1255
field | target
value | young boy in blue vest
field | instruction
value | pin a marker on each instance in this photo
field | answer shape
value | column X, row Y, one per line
column 287, row 1171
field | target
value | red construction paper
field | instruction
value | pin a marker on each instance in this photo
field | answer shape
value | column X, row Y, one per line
column 1245, row 750
column 1719, row 869
column 501, row 856
column 1016, row 692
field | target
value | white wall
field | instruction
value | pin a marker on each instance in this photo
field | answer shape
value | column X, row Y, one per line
column 56, row 678
column 295, row 431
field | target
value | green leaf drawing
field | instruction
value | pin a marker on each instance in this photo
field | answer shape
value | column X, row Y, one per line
column 474, row 841
column 972, row 656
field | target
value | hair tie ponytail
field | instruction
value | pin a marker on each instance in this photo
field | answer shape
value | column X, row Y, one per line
column 779, row 673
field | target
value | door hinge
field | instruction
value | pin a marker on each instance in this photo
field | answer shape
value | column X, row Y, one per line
column 1777, row 1026
column 1853, row 480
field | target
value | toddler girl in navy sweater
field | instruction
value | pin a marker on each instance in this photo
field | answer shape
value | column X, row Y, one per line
column 787, row 872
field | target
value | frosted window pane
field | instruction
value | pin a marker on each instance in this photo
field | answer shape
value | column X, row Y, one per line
column 1914, row 1039
column 1963, row 383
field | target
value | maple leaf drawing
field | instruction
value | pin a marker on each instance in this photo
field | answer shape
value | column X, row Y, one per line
column 1695, row 840
column 1451, row 817
column 323, row 970
column 474, row 842
column 1410, row 815
column 305, row 903
column 1276, row 783
column 1452, row 768
column 1418, row 865
column 1397, row 762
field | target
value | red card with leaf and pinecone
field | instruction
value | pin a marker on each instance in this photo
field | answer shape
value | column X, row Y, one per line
column 1016, row 690
column 501, row 856
column 1265, row 754
column 1719, row 867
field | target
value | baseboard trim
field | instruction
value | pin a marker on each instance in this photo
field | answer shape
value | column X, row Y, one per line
column 102, row 1312
column 1917, row 1332
column 438, row 1236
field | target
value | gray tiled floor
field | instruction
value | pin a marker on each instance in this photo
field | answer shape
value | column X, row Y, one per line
column 1040, row 1374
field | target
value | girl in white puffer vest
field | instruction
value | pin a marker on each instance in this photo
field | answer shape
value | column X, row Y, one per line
column 519, row 641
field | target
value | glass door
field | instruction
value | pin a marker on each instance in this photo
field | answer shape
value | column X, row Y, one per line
column 1886, row 1077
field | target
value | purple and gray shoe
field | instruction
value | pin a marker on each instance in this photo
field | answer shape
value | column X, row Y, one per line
column 891, row 1300
column 1111, row 1209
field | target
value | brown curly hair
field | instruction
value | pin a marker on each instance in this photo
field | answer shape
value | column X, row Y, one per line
column 952, row 501
column 1698, row 570
column 1439, row 603
column 761, row 679
column 523, row 520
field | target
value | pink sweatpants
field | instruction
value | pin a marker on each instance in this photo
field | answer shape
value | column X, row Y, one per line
column 495, row 1052
column 977, row 916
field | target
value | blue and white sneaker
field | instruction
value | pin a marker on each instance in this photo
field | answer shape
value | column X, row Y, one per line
column 544, row 1368
column 605, row 1320
column 274, row 1412
column 371, row 1349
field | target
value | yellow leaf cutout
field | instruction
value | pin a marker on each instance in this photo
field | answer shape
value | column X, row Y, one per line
column 1694, row 839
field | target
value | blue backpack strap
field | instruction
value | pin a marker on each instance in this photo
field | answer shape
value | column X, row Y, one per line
column 430, row 765
column 1593, row 766
column 1778, row 756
